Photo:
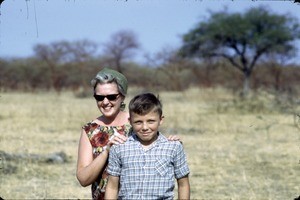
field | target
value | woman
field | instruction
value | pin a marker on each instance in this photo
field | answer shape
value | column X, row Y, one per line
column 112, row 127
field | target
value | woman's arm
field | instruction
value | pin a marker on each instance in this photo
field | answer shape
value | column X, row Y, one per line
column 88, row 168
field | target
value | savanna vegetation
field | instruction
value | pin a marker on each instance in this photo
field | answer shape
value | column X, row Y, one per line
column 240, row 51
column 235, row 149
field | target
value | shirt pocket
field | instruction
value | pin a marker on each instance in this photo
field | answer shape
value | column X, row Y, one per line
column 161, row 166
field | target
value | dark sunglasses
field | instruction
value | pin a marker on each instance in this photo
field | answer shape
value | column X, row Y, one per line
column 110, row 97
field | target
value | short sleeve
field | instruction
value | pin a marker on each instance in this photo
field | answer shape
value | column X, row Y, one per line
column 181, row 168
column 114, row 164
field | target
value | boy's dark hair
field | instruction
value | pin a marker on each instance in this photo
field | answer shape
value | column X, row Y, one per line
column 145, row 103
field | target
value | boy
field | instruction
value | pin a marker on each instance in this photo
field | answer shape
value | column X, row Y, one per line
column 144, row 166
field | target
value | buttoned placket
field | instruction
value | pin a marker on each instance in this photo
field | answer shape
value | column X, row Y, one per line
column 145, row 163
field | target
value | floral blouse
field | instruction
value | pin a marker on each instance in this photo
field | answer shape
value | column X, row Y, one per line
column 99, row 136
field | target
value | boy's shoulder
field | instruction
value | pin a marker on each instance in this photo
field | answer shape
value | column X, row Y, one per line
column 164, row 140
column 127, row 144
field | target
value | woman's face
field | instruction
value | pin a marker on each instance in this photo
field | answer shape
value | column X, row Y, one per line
column 109, row 108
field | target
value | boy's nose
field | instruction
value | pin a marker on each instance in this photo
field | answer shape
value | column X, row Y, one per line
column 145, row 126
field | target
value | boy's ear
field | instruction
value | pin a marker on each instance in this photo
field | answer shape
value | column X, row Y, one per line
column 161, row 120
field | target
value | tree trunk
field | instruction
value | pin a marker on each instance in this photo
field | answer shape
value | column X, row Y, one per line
column 246, row 84
column 277, row 76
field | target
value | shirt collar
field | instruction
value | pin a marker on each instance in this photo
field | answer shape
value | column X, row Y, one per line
column 160, row 139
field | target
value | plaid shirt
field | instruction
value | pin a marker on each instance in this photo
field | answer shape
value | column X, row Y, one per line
column 150, row 173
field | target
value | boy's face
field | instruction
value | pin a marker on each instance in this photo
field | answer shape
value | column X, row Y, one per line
column 146, row 126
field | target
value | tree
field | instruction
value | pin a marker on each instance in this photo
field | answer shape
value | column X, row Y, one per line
column 120, row 47
column 80, row 52
column 174, row 68
column 242, row 39
column 54, row 55
column 58, row 54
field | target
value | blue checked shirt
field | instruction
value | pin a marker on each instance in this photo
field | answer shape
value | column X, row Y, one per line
column 150, row 173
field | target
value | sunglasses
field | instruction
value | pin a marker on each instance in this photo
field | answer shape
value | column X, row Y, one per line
column 110, row 97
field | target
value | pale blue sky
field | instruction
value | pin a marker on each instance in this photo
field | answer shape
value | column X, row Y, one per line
column 157, row 23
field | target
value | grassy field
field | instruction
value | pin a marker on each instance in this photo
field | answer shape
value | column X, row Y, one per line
column 235, row 150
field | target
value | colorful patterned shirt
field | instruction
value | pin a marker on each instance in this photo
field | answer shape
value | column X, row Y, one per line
column 99, row 136
column 147, row 173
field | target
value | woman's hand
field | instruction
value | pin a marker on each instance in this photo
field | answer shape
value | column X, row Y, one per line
column 174, row 138
column 117, row 138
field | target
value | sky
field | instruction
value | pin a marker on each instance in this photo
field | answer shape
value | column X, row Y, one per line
column 158, row 24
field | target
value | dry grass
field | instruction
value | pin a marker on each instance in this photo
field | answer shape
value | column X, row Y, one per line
column 232, row 154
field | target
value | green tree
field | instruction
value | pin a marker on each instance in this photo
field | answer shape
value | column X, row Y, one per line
column 242, row 39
